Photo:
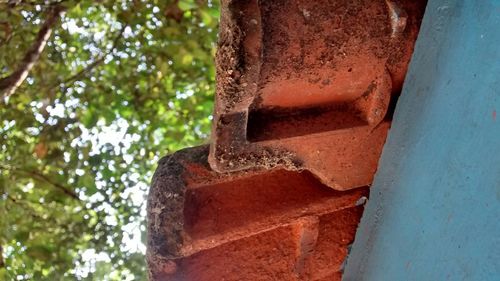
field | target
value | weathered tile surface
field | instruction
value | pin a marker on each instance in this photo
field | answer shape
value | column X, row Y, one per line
column 254, row 225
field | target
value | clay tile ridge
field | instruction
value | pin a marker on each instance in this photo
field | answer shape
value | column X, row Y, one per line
column 200, row 222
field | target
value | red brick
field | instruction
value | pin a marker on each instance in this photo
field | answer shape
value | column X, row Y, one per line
column 253, row 225
column 307, row 84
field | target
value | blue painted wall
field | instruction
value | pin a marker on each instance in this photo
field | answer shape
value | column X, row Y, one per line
column 434, row 208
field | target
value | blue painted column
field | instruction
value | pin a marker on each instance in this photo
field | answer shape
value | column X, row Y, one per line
column 434, row 208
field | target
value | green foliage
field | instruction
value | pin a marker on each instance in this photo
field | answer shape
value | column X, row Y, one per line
column 119, row 84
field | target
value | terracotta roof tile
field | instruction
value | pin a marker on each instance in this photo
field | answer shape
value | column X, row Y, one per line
column 303, row 106
column 307, row 84
column 254, row 225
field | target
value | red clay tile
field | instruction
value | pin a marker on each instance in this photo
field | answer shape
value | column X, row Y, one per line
column 307, row 84
column 303, row 92
column 253, row 225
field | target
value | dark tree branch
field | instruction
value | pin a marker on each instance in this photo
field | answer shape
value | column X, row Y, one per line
column 65, row 190
column 99, row 60
column 41, row 177
column 174, row 12
column 9, row 84
column 14, row 3
column 25, row 205
column 11, row 198
column 2, row 262
column 7, row 29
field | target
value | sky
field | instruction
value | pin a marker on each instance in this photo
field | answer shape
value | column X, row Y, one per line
column 99, row 136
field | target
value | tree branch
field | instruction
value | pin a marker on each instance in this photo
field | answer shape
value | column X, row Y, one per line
column 26, row 206
column 9, row 84
column 7, row 29
column 94, row 64
column 2, row 262
column 46, row 179
column 41, row 177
